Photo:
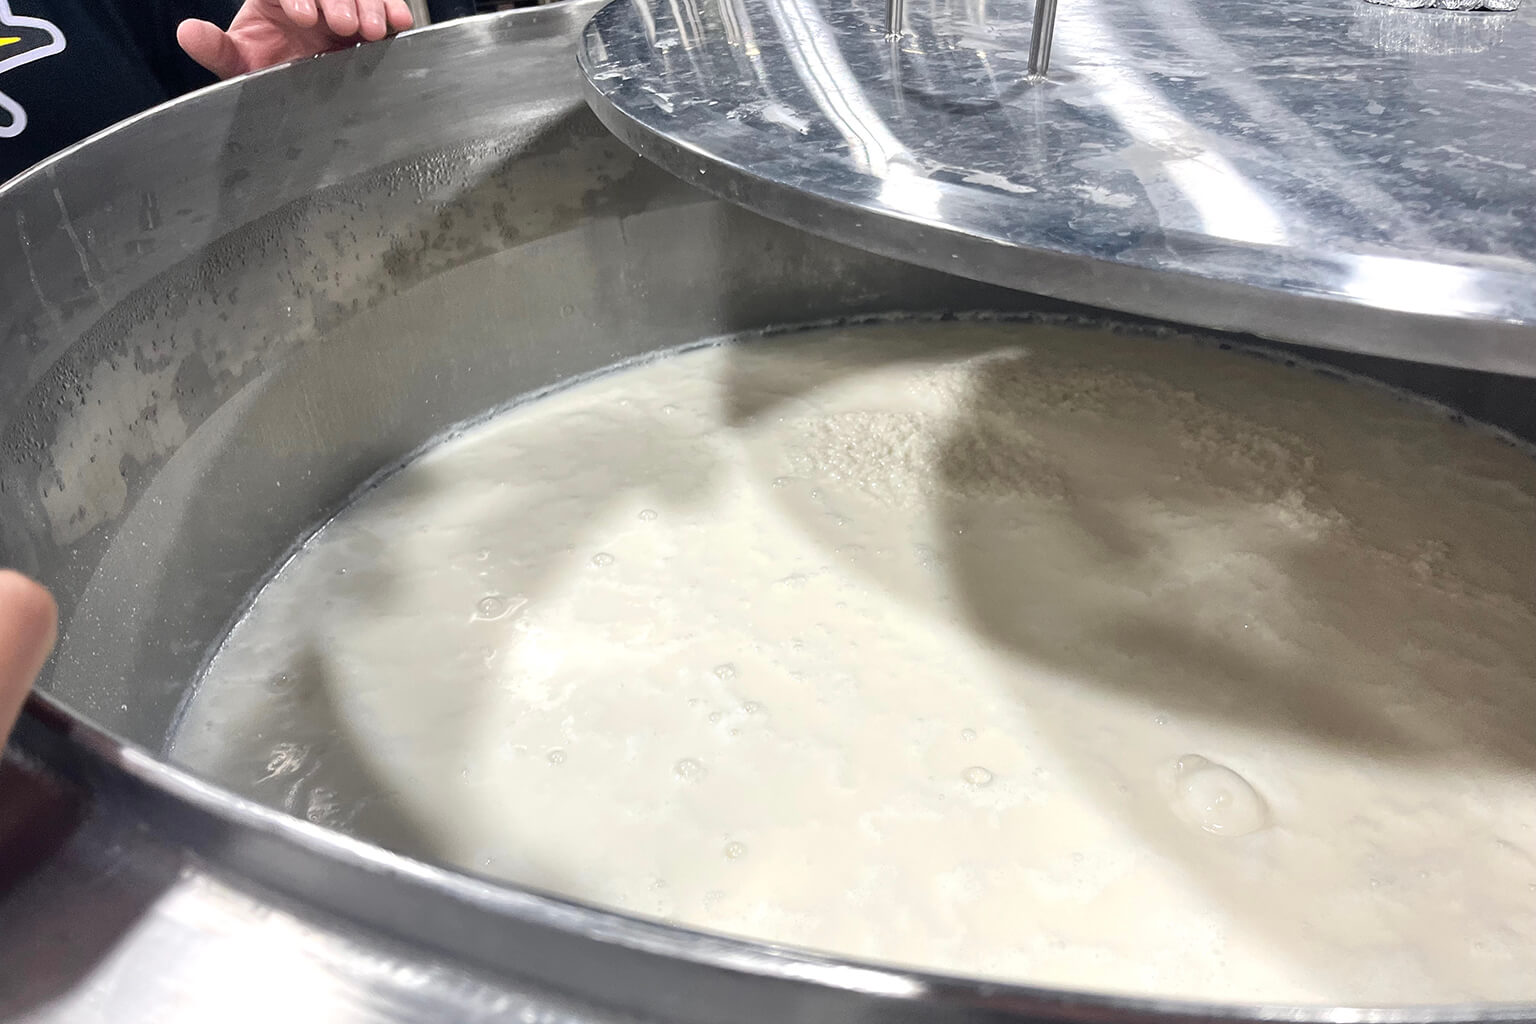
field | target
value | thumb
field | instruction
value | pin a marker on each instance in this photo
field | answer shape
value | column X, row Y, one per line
column 211, row 47
column 28, row 627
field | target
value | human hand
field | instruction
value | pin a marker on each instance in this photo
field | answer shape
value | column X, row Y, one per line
column 268, row 32
column 29, row 623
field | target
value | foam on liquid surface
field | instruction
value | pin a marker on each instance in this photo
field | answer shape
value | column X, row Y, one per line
column 1039, row 654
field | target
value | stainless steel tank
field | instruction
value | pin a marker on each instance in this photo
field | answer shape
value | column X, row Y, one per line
column 218, row 321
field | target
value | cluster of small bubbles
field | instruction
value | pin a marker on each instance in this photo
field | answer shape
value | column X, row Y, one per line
column 647, row 514
column 751, row 707
column 601, row 559
column 557, row 756
column 688, row 770
column 781, row 481
column 1160, row 720
column 968, row 734
column 715, row 717
column 492, row 606
column 976, row 777
column 669, row 409
column 1217, row 799
column 735, row 851
column 725, row 673
column 484, row 554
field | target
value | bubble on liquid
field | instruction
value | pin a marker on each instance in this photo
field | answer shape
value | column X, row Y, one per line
column 781, row 481
column 735, row 851
column 648, row 514
column 484, row 554
column 715, row 717
column 286, row 758
column 283, row 682
column 557, row 756
column 601, row 559
column 751, row 707
column 725, row 673
column 968, row 734
column 491, row 607
column 1216, row 799
column 688, row 770
column 976, row 776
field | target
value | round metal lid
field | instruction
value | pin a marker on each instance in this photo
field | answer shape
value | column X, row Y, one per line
column 1332, row 172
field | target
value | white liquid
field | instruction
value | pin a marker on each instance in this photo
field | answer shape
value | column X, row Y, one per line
column 1013, row 651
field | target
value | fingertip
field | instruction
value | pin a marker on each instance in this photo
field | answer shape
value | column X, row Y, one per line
column 399, row 16
column 29, row 627
column 29, row 610
column 189, row 36
column 373, row 24
column 302, row 13
column 341, row 17
column 209, row 46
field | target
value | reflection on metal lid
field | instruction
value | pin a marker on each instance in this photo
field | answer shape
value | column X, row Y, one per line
column 1232, row 163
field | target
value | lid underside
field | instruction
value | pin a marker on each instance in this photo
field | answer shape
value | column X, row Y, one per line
column 1338, row 173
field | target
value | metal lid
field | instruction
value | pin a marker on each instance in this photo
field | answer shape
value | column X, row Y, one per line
column 1324, row 171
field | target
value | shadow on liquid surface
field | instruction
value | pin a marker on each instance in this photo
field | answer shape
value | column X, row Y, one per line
column 1264, row 591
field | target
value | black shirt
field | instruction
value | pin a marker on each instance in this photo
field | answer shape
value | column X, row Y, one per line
column 69, row 68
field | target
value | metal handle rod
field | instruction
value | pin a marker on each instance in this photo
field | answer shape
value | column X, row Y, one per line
column 1040, row 37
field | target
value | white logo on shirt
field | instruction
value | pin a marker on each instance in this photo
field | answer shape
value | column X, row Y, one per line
column 20, row 44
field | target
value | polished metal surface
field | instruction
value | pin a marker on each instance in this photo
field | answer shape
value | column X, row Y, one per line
column 202, row 358
column 1291, row 169
column 1042, row 32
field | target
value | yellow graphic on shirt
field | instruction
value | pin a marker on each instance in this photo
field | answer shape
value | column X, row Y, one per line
column 22, row 41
